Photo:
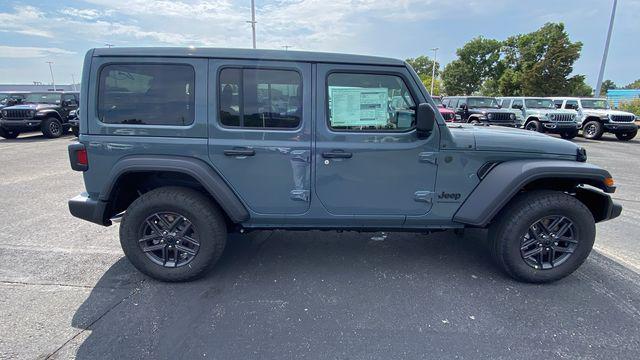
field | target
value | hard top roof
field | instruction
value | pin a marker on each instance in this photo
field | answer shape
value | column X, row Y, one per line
column 247, row 54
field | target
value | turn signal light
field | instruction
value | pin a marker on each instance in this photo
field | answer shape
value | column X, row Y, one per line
column 609, row 182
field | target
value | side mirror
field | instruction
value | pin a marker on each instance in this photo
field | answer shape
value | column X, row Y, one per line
column 425, row 120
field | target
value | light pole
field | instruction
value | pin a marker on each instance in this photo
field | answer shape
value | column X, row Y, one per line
column 253, row 21
column 606, row 50
column 286, row 47
column 108, row 45
column 73, row 80
column 433, row 68
column 53, row 82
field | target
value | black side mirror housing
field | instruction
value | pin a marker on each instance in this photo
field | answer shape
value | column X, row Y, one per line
column 425, row 120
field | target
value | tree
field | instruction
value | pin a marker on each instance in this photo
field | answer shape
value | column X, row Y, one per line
column 423, row 65
column 478, row 60
column 607, row 85
column 578, row 87
column 542, row 60
column 633, row 85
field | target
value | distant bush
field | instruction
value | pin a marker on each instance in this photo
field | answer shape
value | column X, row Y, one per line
column 632, row 106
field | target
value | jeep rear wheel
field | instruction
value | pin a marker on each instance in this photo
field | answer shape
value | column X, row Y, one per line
column 626, row 136
column 52, row 128
column 173, row 234
column 9, row 134
column 592, row 130
column 542, row 236
column 534, row 125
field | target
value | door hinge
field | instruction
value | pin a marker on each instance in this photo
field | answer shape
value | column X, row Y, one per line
column 423, row 196
column 429, row 157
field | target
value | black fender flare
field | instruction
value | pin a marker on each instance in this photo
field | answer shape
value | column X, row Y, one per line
column 46, row 113
column 506, row 179
column 198, row 169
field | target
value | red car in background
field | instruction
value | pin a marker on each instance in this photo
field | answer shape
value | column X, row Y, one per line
column 448, row 114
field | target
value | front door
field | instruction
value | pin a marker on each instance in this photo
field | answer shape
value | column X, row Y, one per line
column 369, row 161
column 260, row 132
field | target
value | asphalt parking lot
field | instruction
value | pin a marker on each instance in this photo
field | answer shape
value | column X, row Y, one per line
column 67, row 291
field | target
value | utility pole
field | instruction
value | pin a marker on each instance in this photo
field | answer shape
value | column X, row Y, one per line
column 53, row 82
column 433, row 68
column 253, row 21
column 606, row 50
column 108, row 45
column 286, row 47
column 73, row 82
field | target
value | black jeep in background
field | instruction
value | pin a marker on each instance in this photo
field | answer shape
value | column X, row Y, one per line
column 45, row 111
column 480, row 110
column 10, row 98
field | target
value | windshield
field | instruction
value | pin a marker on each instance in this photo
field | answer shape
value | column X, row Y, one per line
column 595, row 104
column 482, row 103
column 539, row 104
column 42, row 98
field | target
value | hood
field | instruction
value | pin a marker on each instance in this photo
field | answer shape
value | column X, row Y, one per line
column 502, row 139
column 444, row 110
column 550, row 111
column 604, row 112
column 31, row 107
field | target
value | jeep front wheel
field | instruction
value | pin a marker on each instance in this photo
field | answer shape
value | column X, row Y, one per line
column 592, row 130
column 52, row 128
column 626, row 136
column 542, row 236
column 9, row 134
column 534, row 125
column 173, row 234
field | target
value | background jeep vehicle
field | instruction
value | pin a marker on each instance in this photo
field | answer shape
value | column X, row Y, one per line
column 541, row 115
column 597, row 117
column 45, row 111
column 187, row 145
column 479, row 109
column 447, row 114
column 9, row 98
column 74, row 122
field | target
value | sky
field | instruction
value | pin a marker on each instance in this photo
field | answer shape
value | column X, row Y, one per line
column 34, row 32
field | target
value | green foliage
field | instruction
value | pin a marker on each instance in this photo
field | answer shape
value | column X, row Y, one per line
column 437, row 84
column 632, row 106
column 607, row 85
column 535, row 64
column 478, row 60
column 633, row 85
column 423, row 65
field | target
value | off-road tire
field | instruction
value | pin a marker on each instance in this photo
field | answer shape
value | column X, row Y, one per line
column 9, row 134
column 206, row 219
column 626, row 136
column 534, row 125
column 52, row 128
column 592, row 130
column 513, row 222
column 568, row 135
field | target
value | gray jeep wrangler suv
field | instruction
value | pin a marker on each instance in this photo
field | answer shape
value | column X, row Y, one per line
column 187, row 145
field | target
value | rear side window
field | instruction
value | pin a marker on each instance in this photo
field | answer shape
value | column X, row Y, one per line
column 260, row 98
column 146, row 94
column 369, row 102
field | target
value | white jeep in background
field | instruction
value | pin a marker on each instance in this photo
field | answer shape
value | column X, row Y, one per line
column 596, row 117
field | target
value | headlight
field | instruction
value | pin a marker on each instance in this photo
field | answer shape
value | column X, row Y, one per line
column 490, row 116
column 4, row 112
column 512, row 116
column 31, row 113
column 552, row 116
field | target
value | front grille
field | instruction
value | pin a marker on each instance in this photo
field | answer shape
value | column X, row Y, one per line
column 623, row 118
column 449, row 116
column 500, row 117
column 17, row 114
column 563, row 117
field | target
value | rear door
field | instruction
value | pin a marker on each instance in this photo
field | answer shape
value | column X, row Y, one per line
column 369, row 161
column 260, row 132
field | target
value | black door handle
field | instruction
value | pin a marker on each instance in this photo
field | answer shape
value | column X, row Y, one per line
column 239, row 152
column 337, row 154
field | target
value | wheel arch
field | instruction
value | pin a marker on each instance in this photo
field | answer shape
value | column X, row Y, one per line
column 51, row 113
column 134, row 175
column 506, row 180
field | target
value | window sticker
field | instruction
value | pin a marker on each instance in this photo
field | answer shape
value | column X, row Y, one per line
column 353, row 106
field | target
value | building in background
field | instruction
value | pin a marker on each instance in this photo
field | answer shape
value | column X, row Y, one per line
column 38, row 87
column 616, row 96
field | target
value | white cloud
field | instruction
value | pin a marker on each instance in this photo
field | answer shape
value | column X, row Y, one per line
column 19, row 52
column 25, row 20
column 86, row 14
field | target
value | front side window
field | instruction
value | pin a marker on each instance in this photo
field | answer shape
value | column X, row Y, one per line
column 369, row 102
column 146, row 94
column 516, row 104
column 571, row 104
column 557, row 103
column 260, row 98
column 70, row 99
column 505, row 103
